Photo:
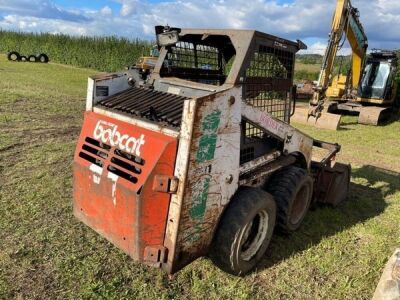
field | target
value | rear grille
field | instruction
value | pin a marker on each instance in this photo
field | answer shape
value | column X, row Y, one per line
column 116, row 161
column 152, row 105
column 94, row 151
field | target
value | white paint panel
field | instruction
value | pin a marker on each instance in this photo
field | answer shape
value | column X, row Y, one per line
column 90, row 94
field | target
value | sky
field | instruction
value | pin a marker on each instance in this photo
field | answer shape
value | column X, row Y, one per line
column 308, row 20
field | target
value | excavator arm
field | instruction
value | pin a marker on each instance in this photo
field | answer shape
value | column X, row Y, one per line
column 345, row 25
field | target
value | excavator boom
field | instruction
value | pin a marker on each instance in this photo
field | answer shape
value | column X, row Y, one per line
column 345, row 24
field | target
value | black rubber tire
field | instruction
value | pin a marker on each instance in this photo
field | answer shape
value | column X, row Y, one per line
column 23, row 58
column 43, row 58
column 11, row 54
column 292, row 189
column 32, row 58
column 246, row 207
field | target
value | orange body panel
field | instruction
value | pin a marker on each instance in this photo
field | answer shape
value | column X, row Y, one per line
column 114, row 168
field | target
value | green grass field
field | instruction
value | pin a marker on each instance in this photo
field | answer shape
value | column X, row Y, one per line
column 312, row 68
column 306, row 71
column 45, row 253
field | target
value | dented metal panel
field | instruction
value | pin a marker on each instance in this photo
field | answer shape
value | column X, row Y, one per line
column 181, row 172
column 115, row 165
column 214, row 145
column 294, row 140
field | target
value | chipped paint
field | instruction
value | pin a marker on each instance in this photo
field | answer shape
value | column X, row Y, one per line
column 114, row 179
column 97, row 171
column 200, row 196
column 208, row 141
column 294, row 140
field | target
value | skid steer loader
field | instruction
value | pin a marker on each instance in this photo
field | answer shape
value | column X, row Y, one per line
column 201, row 159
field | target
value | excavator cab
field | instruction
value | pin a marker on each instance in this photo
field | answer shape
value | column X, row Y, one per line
column 377, row 78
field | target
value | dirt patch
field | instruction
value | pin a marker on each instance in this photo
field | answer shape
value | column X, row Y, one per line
column 43, row 132
column 11, row 147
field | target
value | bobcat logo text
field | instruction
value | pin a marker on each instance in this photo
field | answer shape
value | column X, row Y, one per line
column 108, row 133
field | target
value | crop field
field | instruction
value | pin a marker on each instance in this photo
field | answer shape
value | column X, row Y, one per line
column 106, row 53
column 45, row 253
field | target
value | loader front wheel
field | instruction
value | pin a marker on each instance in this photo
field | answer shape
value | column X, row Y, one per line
column 244, row 232
column 292, row 190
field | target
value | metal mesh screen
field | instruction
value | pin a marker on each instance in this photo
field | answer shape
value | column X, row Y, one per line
column 182, row 56
column 265, row 63
column 188, row 55
column 254, row 142
column 252, row 131
column 199, row 63
column 246, row 154
column 268, row 81
column 251, row 136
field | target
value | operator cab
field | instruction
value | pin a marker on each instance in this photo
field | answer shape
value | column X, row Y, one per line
column 378, row 72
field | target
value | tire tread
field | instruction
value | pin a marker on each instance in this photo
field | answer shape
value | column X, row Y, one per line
column 243, row 202
column 282, row 186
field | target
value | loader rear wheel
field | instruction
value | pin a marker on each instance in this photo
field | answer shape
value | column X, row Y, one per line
column 244, row 232
column 292, row 190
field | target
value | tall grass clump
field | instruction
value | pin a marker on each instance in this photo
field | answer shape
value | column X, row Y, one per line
column 100, row 53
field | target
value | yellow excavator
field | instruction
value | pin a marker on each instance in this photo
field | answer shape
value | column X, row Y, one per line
column 369, row 88
column 146, row 64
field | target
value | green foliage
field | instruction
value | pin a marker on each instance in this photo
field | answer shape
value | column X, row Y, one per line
column 342, row 65
column 305, row 75
column 309, row 59
column 100, row 53
column 306, row 70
